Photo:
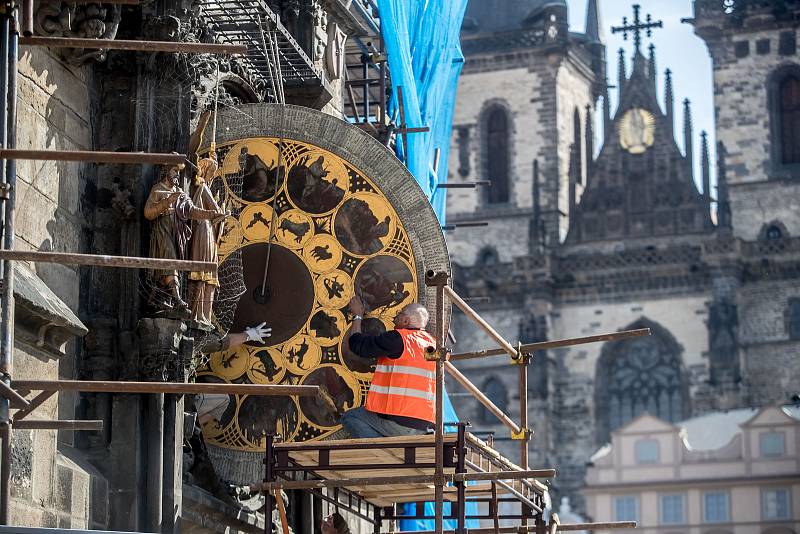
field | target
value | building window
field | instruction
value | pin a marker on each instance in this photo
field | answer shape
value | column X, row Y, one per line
column 641, row 375
column 626, row 508
column 715, row 507
column 672, row 510
column 497, row 155
column 488, row 256
column 794, row 319
column 646, row 451
column 497, row 392
column 784, row 96
column 790, row 119
column 773, row 232
column 771, row 444
column 775, row 504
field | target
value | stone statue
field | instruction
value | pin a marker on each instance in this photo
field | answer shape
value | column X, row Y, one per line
column 170, row 212
column 202, row 285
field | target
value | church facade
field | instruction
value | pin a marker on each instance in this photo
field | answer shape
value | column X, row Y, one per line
column 582, row 242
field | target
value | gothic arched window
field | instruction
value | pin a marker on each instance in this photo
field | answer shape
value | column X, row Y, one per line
column 790, row 119
column 639, row 375
column 497, row 154
column 784, row 107
column 497, row 392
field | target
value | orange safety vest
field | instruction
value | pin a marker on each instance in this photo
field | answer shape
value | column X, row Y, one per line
column 406, row 386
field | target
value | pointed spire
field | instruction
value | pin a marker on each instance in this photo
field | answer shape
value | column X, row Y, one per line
column 687, row 136
column 724, row 221
column 669, row 99
column 574, row 177
column 577, row 140
column 589, row 143
column 621, row 71
column 704, row 165
column 652, row 64
column 606, row 110
column 594, row 29
column 535, row 239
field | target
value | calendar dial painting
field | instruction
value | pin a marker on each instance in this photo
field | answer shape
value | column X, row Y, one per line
column 328, row 235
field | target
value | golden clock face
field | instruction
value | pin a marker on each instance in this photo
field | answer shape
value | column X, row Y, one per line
column 307, row 232
column 637, row 130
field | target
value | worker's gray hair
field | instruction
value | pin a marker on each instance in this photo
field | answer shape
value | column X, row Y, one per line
column 417, row 315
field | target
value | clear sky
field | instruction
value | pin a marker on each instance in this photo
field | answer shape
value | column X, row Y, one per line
column 677, row 48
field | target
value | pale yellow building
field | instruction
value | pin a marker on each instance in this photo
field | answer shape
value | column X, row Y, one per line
column 735, row 472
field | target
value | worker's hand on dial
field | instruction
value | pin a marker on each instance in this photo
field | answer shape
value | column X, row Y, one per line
column 258, row 333
column 356, row 306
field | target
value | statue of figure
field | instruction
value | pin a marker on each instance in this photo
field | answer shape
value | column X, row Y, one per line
column 170, row 211
column 202, row 285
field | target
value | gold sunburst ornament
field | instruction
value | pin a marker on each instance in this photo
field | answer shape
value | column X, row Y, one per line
column 637, row 130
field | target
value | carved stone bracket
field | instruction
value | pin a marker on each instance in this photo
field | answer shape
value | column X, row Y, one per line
column 55, row 18
column 161, row 357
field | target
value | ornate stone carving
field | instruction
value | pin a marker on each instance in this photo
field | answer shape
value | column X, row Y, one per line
column 89, row 21
column 723, row 325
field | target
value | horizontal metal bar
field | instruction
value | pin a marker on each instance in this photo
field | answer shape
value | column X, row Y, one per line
column 122, row 2
column 142, row 46
column 413, row 130
column 345, row 482
column 545, row 345
column 533, row 528
column 98, row 260
column 476, row 224
column 505, row 475
column 92, row 156
column 597, row 526
column 45, row 530
column 99, row 386
column 16, row 400
column 463, row 185
column 63, row 424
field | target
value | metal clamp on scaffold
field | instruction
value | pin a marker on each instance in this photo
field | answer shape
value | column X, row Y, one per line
column 431, row 354
column 520, row 358
column 524, row 434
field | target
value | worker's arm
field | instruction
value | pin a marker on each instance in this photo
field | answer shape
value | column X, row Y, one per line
column 388, row 345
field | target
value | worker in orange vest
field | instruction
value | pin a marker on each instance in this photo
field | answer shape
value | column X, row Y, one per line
column 401, row 399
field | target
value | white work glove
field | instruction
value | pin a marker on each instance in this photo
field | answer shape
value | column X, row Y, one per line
column 258, row 333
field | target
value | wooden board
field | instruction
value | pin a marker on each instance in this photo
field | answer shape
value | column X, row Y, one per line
column 390, row 452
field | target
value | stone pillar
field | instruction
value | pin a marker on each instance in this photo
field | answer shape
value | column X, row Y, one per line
column 162, row 360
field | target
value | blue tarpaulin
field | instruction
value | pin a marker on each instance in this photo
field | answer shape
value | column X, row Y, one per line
column 421, row 39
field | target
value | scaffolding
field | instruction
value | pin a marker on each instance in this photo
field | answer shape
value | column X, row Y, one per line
column 445, row 461
column 363, row 473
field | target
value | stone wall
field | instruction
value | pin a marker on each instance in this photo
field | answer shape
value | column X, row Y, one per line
column 53, row 485
column 760, row 191
column 769, row 357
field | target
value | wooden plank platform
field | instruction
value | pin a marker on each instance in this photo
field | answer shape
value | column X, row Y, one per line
column 402, row 455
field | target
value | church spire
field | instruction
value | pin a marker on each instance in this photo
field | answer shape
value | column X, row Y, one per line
column 606, row 110
column 652, row 64
column 621, row 71
column 669, row 101
column 594, row 30
column 723, row 202
column 578, row 142
column 687, row 136
column 589, row 144
column 704, row 165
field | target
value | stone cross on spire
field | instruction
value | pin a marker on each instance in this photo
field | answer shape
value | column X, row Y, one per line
column 637, row 27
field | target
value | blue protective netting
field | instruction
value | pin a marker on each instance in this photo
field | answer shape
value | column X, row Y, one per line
column 421, row 39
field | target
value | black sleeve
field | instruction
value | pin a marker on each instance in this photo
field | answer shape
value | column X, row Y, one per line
column 388, row 344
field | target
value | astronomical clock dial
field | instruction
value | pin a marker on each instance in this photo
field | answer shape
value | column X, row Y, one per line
column 328, row 234
column 313, row 222
column 637, row 130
